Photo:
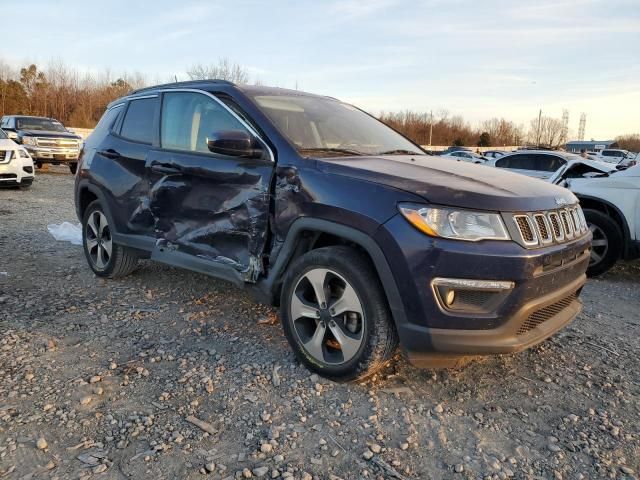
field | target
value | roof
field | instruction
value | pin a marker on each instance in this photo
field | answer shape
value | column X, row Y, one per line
column 215, row 84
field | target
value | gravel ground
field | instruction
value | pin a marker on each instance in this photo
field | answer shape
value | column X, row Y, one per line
column 113, row 379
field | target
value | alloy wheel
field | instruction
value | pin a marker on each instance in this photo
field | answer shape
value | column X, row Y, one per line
column 327, row 316
column 599, row 245
column 98, row 239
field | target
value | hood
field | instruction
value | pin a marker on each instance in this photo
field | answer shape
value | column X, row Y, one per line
column 458, row 184
column 48, row 134
column 6, row 144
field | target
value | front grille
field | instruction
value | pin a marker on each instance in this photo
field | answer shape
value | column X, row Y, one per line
column 540, row 316
column 554, row 226
column 8, row 176
column 56, row 142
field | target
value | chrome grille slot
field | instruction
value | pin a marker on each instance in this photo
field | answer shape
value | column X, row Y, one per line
column 577, row 227
column 556, row 226
column 567, row 223
column 525, row 227
column 544, row 230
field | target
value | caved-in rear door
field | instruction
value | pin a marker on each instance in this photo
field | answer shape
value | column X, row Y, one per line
column 207, row 208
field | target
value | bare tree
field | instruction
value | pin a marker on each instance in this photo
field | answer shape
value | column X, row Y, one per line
column 223, row 70
column 546, row 131
column 629, row 142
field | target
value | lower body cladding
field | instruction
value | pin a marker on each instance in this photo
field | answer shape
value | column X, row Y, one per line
column 477, row 298
column 17, row 172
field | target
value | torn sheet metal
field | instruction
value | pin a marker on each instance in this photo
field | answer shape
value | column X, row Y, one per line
column 213, row 208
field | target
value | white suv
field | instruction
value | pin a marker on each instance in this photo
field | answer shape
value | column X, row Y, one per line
column 16, row 165
column 611, row 205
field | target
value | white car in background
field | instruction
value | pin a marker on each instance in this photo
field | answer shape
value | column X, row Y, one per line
column 611, row 205
column 544, row 163
column 465, row 156
column 616, row 156
column 16, row 165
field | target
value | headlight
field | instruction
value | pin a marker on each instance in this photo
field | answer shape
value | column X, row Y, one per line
column 454, row 223
column 23, row 153
column 29, row 141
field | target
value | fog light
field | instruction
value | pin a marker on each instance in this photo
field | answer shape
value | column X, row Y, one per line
column 450, row 297
column 470, row 296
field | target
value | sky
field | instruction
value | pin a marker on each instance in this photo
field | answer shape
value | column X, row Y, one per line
column 477, row 59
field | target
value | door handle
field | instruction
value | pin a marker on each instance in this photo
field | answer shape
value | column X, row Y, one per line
column 163, row 168
column 110, row 153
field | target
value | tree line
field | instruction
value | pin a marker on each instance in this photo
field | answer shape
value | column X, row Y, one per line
column 79, row 99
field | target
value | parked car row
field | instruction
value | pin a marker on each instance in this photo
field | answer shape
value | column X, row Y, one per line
column 46, row 140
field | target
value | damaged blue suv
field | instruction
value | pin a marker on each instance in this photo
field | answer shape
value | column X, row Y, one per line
column 362, row 239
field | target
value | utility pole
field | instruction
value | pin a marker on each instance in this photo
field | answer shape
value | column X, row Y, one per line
column 539, row 125
column 430, row 127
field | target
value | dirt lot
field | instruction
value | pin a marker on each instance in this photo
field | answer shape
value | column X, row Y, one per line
column 100, row 379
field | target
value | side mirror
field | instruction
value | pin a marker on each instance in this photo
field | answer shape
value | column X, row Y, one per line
column 11, row 135
column 234, row 143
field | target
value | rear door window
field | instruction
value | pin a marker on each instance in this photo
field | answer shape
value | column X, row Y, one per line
column 139, row 120
column 520, row 162
column 547, row 163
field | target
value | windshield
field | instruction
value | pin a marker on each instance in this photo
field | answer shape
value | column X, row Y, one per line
column 3, row 136
column 325, row 127
column 44, row 124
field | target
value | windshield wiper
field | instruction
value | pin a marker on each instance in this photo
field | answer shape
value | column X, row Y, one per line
column 346, row 151
column 399, row 152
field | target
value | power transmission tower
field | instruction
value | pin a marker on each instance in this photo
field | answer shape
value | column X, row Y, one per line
column 565, row 126
column 583, row 122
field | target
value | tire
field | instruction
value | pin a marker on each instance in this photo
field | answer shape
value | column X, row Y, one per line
column 105, row 257
column 73, row 167
column 365, row 337
column 607, row 242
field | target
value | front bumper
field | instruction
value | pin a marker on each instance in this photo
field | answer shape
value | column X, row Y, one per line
column 544, row 298
column 53, row 154
column 17, row 171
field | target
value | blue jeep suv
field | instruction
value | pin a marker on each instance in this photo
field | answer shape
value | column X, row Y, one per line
column 360, row 238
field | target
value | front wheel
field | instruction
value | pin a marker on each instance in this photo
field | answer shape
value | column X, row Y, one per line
column 73, row 167
column 105, row 257
column 606, row 244
column 335, row 314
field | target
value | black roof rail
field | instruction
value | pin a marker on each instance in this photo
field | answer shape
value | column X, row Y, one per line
column 187, row 83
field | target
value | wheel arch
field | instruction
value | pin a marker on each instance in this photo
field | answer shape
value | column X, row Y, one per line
column 613, row 212
column 307, row 234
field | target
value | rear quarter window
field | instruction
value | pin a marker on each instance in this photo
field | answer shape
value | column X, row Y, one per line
column 139, row 120
column 105, row 125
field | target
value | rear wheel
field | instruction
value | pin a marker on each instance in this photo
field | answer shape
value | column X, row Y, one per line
column 606, row 244
column 105, row 257
column 335, row 315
